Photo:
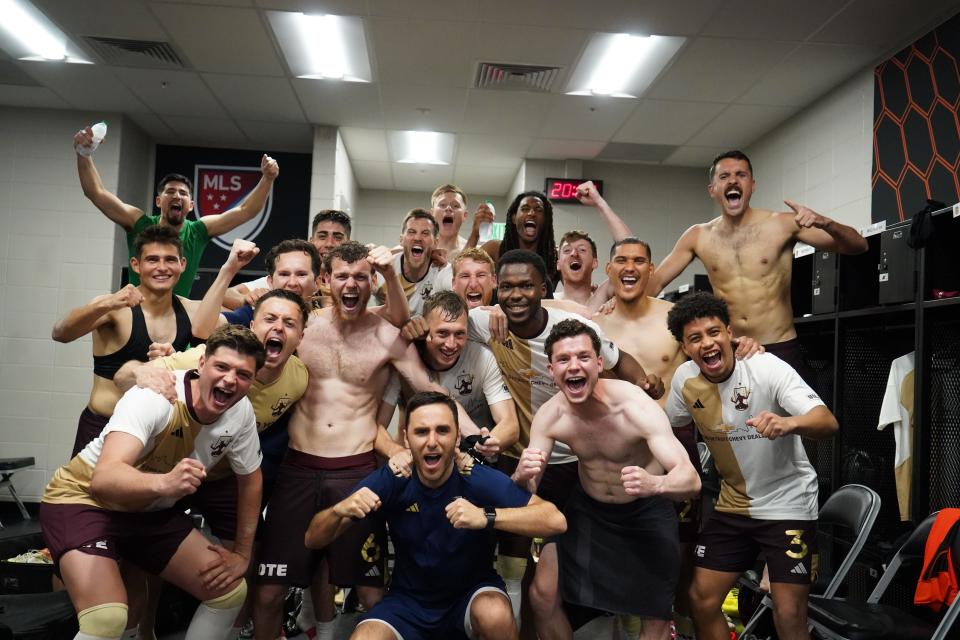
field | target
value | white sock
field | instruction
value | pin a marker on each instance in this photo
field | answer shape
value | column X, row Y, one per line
column 325, row 630
column 515, row 593
column 86, row 636
column 211, row 624
column 306, row 619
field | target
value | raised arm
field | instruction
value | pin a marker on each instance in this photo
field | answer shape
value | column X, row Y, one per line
column 537, row 518
column 96, row 313
column 533, row 460
column 207, row 316
column 251, row 205
column 825, row 233
column 395, row 310
column 681, row 480
column 110, row 205
column 818, row 423
column 587, row 194
column 673, row 265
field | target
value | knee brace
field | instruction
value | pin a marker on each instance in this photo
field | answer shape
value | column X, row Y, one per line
column 104, row 620
column 231, row 600
column 511, row 568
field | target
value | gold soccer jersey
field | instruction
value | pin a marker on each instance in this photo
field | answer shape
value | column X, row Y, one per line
column 524, row 366
column 760, row 478
column 169, row 433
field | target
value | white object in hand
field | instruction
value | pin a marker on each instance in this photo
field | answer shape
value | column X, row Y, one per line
column 99, row 133
column 486, row 228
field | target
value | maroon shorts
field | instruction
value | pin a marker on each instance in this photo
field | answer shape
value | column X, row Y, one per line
column 89, row 427
column 216, row 501
column 305, row 485
column 149, row 539
column 556, row 486
column 731, row 543
column 789, row 351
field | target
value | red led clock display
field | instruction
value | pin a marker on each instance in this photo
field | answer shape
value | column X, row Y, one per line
column 565, row 189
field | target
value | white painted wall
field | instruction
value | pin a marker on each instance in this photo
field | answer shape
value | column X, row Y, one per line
column 822, row 157
column 56, row 252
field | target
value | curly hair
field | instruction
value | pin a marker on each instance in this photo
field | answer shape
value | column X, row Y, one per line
column 693, row 307
column 546, row 244
column 350, row 251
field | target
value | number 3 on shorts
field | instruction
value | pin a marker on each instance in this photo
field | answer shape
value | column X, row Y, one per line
column 795, row 540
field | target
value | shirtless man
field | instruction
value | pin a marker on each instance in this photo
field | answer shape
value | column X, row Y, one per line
column 175, row 202
column 630, row 462
column 578, row 259
column 333, row 431
column 115, row 499
column 449, row 207
column 748, row 254
column 135, row 323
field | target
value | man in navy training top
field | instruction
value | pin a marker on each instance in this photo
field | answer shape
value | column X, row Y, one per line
column 441, row 521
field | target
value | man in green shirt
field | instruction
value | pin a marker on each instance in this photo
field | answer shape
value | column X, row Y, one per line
column 175, row 202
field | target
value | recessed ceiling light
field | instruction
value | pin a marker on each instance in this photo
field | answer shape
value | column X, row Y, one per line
column 422, row 147
column 322, row 46
column 621, row 65
column 27, row 34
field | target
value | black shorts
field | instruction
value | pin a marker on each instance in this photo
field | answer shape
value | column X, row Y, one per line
column 305, row 485
column 731, row 543
column 149, row 539
column 621, row 558
column 789, row 351
column 216, row 501
column 89, row 427
column 688, row 511
column 556, row 485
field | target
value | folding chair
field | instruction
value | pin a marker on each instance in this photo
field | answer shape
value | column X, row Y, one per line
column 852, row 506
column 836, row 619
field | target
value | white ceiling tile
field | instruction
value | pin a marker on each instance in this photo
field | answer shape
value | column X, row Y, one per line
column 336, row 7
column 741, row 124
column 106, row 18
column 422, row 52
column 365, row 144
column 808, row 73
column 20, row 96
column 717, row 69
column 278, row 136
column 401, row 104
column 86, row 86
column 586, row 117
column 497, row 42
column 420, row 177
column 222, row 39
column 506, row 112
column 372, row 175
column 153, row 125
column 699, row 157
column 553, row 149
column 207, row 131
column 662, row 122
column 492, row 180
column 174, row 93
column 354, row 104
column 459, row 10
column 890, row 24
column 784, row 19
column 256, row 98
column 504, row 152
column 222, row 3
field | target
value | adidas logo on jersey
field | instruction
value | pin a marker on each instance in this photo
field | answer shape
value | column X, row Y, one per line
column 414, row 508
column 373, row 572
column 698, row 404
column 799, row 569
column 178, row 433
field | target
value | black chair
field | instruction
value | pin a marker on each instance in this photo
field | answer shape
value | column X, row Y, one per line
column 836, row 619
column 853, row 507
column 9, row 466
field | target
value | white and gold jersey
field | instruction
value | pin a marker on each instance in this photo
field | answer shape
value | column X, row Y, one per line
column 760, row 478
column 524, row 366
column 169, row 433
column 418, row 292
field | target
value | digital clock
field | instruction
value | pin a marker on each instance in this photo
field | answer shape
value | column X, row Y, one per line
column 565, row 189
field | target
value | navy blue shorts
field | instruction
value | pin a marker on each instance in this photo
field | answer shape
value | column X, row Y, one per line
column 410, row 620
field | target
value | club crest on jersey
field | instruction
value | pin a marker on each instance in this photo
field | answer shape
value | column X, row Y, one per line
column 739, row 399
column 217, row 448
column 221, row 188
column 465, row 384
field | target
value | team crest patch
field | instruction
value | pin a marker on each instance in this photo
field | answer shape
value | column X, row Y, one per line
column 739, row 399
column 217, row 448
column 465, row 384
column 221, row 188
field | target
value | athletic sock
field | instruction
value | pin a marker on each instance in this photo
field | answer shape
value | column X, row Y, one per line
column 306, row 619
column 214, row 618
column 515, row 593
column 325, row 630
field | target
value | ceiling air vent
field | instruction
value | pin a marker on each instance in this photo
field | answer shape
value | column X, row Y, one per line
column 135, row 53
column 520, row 77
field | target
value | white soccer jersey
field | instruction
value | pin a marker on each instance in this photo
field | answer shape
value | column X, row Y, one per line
column 897, row 410
column 416, row 292
column 524, row 366
column 760, row 478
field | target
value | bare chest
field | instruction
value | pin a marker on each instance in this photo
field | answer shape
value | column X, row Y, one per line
column 752, row 251
column 647, row 340
column 354, row 359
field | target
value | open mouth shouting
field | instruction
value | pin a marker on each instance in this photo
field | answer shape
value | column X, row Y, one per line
column 733, row 197
column 575, row 384
column 417, row 251
column 274, row 347
column 713, row 361
column 222, row 398
column 350, row 301
column 447, row 219
column 431, row 461
column 629, row 281
column 529, row 228
column 576, row 265
column 474, row 298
